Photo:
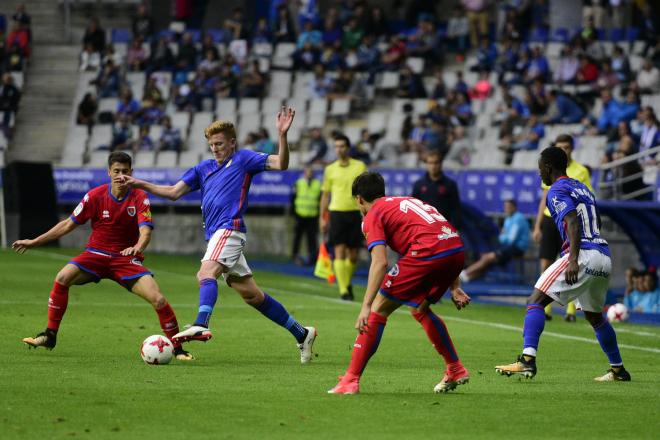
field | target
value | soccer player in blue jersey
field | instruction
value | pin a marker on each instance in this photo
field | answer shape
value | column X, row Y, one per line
column 582, row 273
column 224, row 182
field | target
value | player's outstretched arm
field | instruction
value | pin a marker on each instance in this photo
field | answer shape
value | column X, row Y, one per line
column 57, row 231
column 280, row 161
column 536, row 232
column 142, row 243
column 377, row 272
column 170, row 192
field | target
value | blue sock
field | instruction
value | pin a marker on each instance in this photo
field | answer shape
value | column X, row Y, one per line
column 607, row 339
column 208, row 295
column 532, row 328
column 276, row 312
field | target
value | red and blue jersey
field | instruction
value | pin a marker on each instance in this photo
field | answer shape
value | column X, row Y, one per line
column 411, row 228
column 225, row 188
column 115, row 223
column 567, row 195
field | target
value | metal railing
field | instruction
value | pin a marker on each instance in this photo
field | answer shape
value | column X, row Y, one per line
column 614, row 186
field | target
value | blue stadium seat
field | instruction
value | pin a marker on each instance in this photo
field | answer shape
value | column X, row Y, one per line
column 601, row 34
column 121, row 36
column 560, row 35
column 632, row 34
column 540, row 35
column 196, row 34
column 617, row 35
column 218, row 35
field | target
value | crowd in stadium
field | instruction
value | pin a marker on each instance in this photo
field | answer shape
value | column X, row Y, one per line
column 15, row 48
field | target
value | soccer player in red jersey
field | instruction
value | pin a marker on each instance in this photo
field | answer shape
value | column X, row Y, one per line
column 431, row 260
column 121, row 230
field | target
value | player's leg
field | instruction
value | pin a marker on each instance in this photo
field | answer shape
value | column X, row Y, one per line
column 365, row 345
column 312, row 231
column 476, row 269
column 351, row 265
column 298, row 231
column 549, row 248
column 147, row 288
column 341, row 269
column 273, row 310
column 58, row 301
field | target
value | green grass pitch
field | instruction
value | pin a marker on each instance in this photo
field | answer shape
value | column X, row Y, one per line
column 247, row 381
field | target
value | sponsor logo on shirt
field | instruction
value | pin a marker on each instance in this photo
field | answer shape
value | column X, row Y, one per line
column 136, row 262
column 131, row 210
column 228, row 163
column 106, row 213
column 558, row 205
column 447, row 233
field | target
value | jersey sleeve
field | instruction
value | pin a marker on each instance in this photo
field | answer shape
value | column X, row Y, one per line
column 254, row 162
column 144, row 213
column 372, row 228
column 583, row 177
column 84, row 211
column 559, row 203
column 191, row 178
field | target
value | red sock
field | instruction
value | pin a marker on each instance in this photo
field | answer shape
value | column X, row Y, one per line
column 366, row 344
column 438, row 335
column 168, row 322
column 59, row 298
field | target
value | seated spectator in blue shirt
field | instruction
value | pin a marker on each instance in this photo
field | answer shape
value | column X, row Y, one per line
column 513, row 240
column 108, row 81
column 538, row 67
column 149, row 114
column 332, row 32
column 265, row 144
column 261, row 32
column 642, row 292
column 144, row 141
column 629, row 108
column 317, row 146
column 486, row 56
column 410, row 84
column 562, row 109
column 170, row 139
column 122, row 134
column 309, row 35
column 127, row 105
column 330, row 58
column 609, row 115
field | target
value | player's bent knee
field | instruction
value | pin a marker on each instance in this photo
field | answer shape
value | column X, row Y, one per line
column 159, row 301
column 594, row 318
column 538, row 297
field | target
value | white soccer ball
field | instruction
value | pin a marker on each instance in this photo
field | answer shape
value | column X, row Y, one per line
column 157, row 350
column 617, row 313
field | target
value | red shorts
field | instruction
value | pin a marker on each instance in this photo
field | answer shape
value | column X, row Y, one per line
column 112, row 266
column 413, row 280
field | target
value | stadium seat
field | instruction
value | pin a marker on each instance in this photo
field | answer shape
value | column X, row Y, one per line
column 294, row 134
column 377, row 122
column 408, row 160
column 247, row 106
column 301, row 84
column 144, row 159
column 166, row 159
column 617, row 35
column 315, row 120
column 262, row 50
column 387, row 80
column 416, row 64
column 270, row 106
column 181, row 120
column 340, row 107
column 98, row 159
column 352, row 132
column 280, row 85
column 76, row 140
column 101, row 135
column 295, row 160
column 188, row 159
column 553, row 49
column 121, row 35
column 19, row 79
column 525, row 160
column 283, row 55
column 225, row 108
column 318, row 106
column 108, row 105
column 250, row 122
column 300, row 104
column 163, row 82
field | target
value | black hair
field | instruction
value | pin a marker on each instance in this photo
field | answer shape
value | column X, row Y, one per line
column 512, row 201
column 555, row 157
column 369, row 186
column 565, row 139
column 120, row 157
column 342, row 137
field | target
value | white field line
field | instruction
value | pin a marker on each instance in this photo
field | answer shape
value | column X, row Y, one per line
column 449, row 318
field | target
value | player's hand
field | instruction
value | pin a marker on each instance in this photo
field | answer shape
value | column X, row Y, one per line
column 460, row 298
column 284, row 119
column 20, row 246
column 131, row 251
column 536, row 235
column 323, row 225
column 361, row 323
column 572, row 272
column 124, row 180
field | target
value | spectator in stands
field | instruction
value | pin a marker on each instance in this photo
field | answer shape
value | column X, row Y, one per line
column 161, row 57
column 512, row 112
column 419, row 135
column 395, row 53
column 642, row 294
column 377, row 23
column 482, row 89
column 536, row 98
column 477, row 14
column 142, row 24
column 410, row 84
column 352, row 34
column 461, row 109
column 318, row 147
column 460, row 86
column 9, row 99
column 265, row 144
column 253, row 81
column 309, row 35
column 136, row 57
column 19, row 38
column 261, row 32
column 527, row 139
column 567, row 69
column 650, row 136
column 110, row 54
column 127, row 105
column 562, row 109
column 170, row 139
column 332, row 31
column 21, row 16
column 538, row 68
column 90, row 61
column 185, row 97
column 14, row 59
column 513, row 242
column 227, row 85
column 424, row 41
column 144, row 141
column 628, row 177
column 458, row 30
column 108, row 81
column 486, row 56
column 94, row 35
column 368, row 55
column 306, row 57
column 330, row 58
column 283, row 27
column 438, row 190
column 237, row 26
column 607, row 78
column 460, row 147
column 187, row 56
column 321, row 83
column 122, row 134
column 150, row 113
column 620, row 64
column 648, row 78
column 587, row 72
column 210, row 64
column 610, row 114
column 87, row 112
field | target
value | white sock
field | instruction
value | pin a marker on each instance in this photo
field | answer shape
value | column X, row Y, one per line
column 529, row 351
column 464, row 277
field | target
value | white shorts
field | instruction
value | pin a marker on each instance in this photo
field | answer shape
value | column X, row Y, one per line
column 589, row 291
column 226, row 247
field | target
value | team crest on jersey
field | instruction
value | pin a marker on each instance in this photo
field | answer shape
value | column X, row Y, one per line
column 131, row 210
column 146, row 202
column 78, row 210
column 394, row 271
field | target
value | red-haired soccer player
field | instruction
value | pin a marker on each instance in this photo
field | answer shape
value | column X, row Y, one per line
column 121, row 230
column 431, row 260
